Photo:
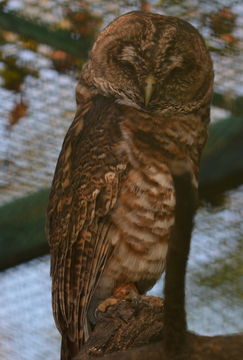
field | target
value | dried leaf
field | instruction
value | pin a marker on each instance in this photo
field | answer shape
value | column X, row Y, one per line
column 18, row 111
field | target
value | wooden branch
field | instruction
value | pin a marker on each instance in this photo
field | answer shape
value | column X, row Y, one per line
column 221, row 166
column 199, row 348
column 44, row 34
column 132, row 330
column 233, row 104
column 22, row 229
column 126, row 325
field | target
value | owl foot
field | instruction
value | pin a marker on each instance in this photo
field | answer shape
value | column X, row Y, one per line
column 126, row 292
column 106, row 303
column 123, row 292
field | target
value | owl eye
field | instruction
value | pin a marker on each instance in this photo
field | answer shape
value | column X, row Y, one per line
column 177, row 71
column 126, row 65
column 184, row 67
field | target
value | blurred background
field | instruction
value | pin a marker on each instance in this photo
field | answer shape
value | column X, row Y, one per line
column 43, row 44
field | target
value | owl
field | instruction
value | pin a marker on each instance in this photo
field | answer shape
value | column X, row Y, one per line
column 143, row 106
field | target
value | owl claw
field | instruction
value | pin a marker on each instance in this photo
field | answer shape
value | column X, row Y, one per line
column 123, row 292
column 126, row 292
column 102, row 307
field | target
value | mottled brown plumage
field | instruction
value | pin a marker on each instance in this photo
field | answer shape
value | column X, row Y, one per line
column 142, row 113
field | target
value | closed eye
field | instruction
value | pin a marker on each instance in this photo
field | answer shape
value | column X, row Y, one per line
column 126, row 64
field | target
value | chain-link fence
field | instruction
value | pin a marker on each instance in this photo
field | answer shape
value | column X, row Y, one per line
column 34, row 116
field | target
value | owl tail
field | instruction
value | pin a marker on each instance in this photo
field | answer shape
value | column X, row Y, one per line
column 69, row 349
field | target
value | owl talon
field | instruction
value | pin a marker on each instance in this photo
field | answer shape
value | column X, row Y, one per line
column 102, row 307
column 126, row 292
column 123, row 292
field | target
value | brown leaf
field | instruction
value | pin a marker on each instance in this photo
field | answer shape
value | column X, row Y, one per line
column 223, row 21
column 228, row 38
column 18, row 111
column 146, row 6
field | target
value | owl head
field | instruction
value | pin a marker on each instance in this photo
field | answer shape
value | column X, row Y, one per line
column 151, row 62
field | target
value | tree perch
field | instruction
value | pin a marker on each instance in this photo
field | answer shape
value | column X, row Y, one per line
column 132, row 330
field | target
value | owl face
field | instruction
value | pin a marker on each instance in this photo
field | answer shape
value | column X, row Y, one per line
column 151, row 62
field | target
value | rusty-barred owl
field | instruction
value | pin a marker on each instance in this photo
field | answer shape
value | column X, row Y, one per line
column 142, row 113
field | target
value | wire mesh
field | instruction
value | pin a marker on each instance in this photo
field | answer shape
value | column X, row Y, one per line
column 27, row 329
column 28, row 153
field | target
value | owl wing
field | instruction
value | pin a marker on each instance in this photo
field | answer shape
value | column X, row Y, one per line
column 84, row 191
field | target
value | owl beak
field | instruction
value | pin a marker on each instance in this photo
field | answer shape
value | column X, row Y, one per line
column 149, row 88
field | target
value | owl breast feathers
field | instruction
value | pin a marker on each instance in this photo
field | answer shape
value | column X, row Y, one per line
column 142, row 112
